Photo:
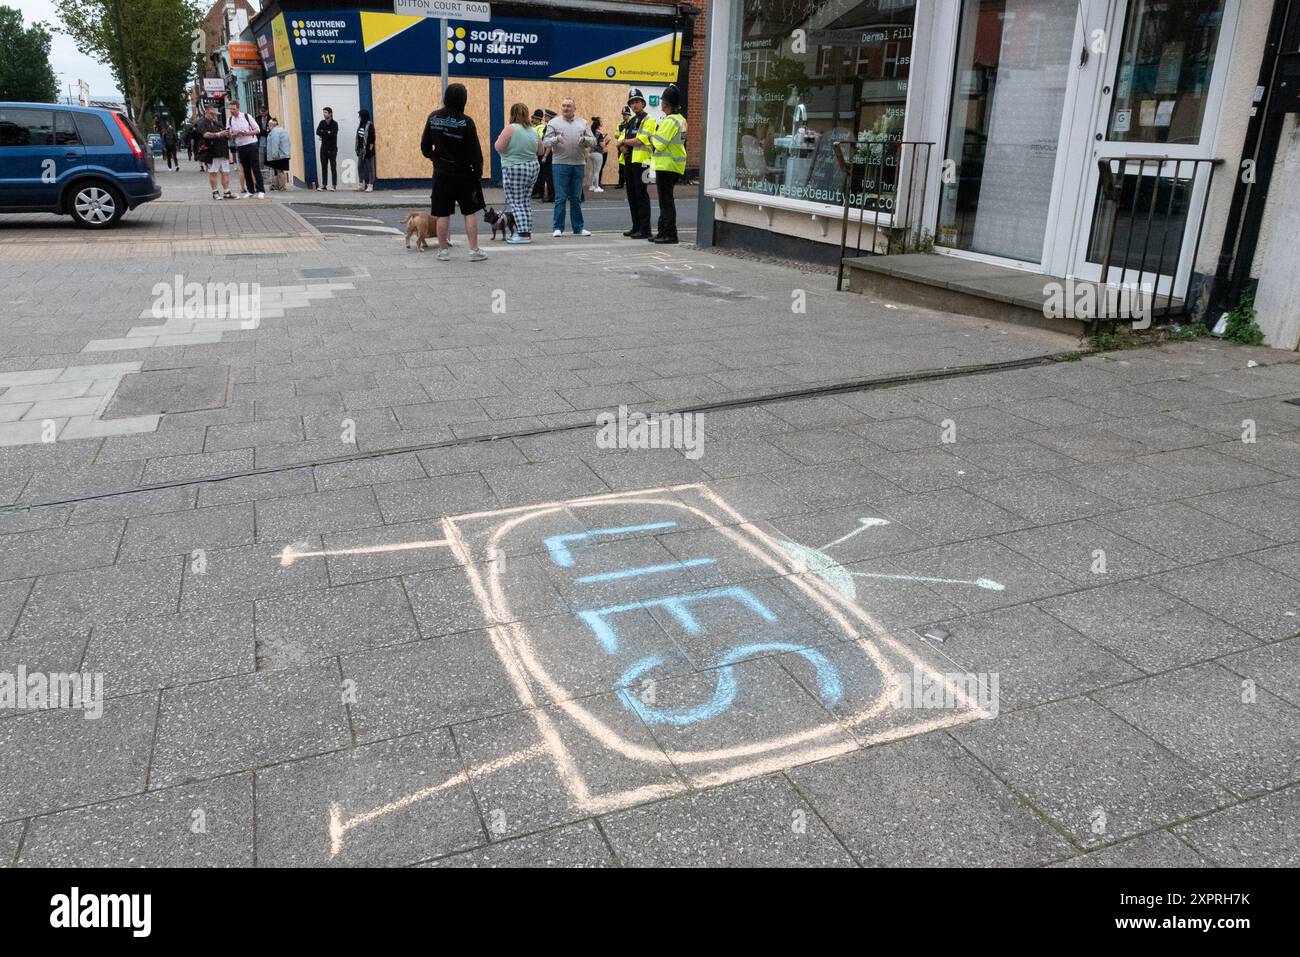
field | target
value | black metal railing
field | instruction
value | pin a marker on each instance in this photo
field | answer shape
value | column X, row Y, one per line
column 888, row 179
column 1143, row 208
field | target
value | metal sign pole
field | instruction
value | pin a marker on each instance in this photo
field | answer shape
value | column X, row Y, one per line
column 442, row 35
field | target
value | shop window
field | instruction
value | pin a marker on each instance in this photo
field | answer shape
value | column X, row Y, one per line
column 804, row 75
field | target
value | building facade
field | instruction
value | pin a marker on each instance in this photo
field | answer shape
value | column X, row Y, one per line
column 318, row 53
column 1062, row 137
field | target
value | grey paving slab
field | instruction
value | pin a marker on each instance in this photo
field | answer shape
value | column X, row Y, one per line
column 1091, row 773
column 59, row 759
column 180, row 533
column 49, row 550
column 129, row 505
column 247, row 572
column 1276, row 453
column 11, row 836
column 387, row 804
column 1242, row 737
column 205, row 825
column 434, row 498
column 1127, row 483
column 247, row 722
column 1180, row 532
column 1087, row 443
column 976, row 575
column 1085, row 553
column 1268, row 512
column 1245, row 594
column 1146, row 626
column 444, row 601
column 370, row 471
column 763, row 822
column 72, row 600
column 250, row 435
column 284, row 519
column 925, row 802
column 256, row 487
column 184, row 468
column 1160, row 849
column 1042, row 499
column 1275, row 667
column 386, row 551
column 574, row 845
column 146, row 654
column 303, row 627
column 835, row 485
column 1210, row 471
column 948, row 515
column 428, row 684
column 13, row 595
column 1264, row 832
column 521, row 788
column 1035, row 657
column 49, row 654
column 528, row 484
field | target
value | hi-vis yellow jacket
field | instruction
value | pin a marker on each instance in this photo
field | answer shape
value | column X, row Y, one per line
column 641, row 154
column 668, row 138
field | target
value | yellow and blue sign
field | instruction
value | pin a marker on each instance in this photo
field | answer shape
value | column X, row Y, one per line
column 356, row 41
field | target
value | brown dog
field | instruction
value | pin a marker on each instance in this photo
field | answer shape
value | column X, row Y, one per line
column 420, row 225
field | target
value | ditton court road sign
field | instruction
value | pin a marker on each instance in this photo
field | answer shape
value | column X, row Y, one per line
column 444, row 9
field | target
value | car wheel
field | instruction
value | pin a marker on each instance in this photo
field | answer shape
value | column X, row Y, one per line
column 96, row 206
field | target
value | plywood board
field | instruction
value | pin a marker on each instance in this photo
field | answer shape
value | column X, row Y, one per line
column 402, row 103
column 605, row 100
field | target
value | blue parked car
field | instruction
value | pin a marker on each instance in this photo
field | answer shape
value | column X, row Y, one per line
column 87, row 163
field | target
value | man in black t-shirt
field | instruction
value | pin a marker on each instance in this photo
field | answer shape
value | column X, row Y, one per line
column 214, row 151
column 450, row 140
column 327, row 131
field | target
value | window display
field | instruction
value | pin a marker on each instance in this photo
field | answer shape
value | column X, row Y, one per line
column 804, row 75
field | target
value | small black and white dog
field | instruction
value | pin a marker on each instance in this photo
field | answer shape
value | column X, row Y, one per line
column 500, row 221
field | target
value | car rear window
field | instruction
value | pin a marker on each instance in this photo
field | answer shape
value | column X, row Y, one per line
column 92, row 130
column 26, row 127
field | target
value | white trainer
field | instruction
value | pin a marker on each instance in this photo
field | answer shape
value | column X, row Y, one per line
column 558, row 233
column 477, row 255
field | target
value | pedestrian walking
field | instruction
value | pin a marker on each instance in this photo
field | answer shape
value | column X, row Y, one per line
column 450, row 140
column 263, row 123
column 277, row 153
column 169, row 147
column 596, row 157
column 568, row 138
column 519, row 146
column 327, row 131
column 365, row 152
column 187, row 134
column 214, row 152
column 244, row 129
column 637, row 151
column 668, row 159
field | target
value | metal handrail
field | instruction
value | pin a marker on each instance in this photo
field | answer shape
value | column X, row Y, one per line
column 1111, row 170
column 853, row 153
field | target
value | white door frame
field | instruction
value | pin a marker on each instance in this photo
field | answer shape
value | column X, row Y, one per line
column 1074, row 235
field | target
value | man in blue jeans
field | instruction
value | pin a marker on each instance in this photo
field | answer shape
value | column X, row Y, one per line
column 569, row 139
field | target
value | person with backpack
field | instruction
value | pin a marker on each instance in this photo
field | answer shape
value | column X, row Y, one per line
column 450, row 141
column 365, row 152
column 244, row 130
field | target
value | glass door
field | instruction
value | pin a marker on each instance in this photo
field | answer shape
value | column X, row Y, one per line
column 1149, row 165
column 1016, row 72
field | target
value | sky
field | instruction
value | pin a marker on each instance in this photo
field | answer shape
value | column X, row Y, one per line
column 70, row 65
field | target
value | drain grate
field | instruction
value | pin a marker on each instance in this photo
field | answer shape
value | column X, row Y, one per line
column 170, row 390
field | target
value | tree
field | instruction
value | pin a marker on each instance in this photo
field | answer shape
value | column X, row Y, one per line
column 148, row 44
column 25, row 71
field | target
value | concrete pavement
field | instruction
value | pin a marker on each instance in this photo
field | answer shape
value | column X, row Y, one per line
column 365, row 585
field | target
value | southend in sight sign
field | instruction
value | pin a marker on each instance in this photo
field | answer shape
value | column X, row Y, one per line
column 469, row 10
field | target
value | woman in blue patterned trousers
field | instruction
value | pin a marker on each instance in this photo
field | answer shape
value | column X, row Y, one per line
column 519, row 146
